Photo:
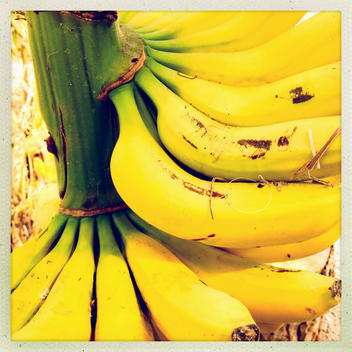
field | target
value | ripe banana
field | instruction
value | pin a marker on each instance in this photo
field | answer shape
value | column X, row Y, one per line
column 192, row 24
column 65, row 314
column 312, row 93
column 144, row 18
column 244, row 31
column 127, row 16
column 313, row 43
column 34, row 288
column 119, row 317
column 162, row 21
column 290, row 251
column 24, row 258
column 182, row 307
column 216, row 150
column 171, row 199
column 272, row 294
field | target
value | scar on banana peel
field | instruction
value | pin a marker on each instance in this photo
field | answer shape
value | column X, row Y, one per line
column 191, row 187
column 297, row 96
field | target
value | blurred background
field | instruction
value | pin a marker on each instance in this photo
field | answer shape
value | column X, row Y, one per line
column 33, row 169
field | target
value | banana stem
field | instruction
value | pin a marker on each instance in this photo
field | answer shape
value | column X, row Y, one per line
column 76, row 56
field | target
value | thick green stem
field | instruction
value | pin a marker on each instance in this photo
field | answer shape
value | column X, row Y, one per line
column 74, row 61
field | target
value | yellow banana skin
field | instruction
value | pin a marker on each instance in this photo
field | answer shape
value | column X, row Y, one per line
column 209, row 147
column 119, row 317
column 24, row 258
column 290, row 251
column 244, row 214
column 32, row 291
column 312, row 93
column 65, row 314
column 126, row 16
column 273, row 295
column 246, row 30
column 143, row 18
column 182, row 307
column 162, row 21
column 193, row 22
column 313, row 43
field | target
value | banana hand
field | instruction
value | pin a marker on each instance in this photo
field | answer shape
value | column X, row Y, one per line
column 273, row 295
column 182, row 307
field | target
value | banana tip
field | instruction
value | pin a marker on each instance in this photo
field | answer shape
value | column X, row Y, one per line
column 246, row 333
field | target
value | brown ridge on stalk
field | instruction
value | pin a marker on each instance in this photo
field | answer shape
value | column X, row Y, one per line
column 78, row 213
column 125, row 78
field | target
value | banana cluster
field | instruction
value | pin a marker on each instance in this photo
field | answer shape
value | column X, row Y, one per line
column 228, row 157
column 117, row 278
column 230, row 137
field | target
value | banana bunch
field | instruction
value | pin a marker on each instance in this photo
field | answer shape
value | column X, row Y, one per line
column 228, row 158
column 75, row 285
column 230, row 138
column 80, row 288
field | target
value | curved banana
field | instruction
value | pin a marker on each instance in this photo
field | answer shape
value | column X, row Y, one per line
column 290, row 251
column 246, row 30
column 213, row 149
column 313, row 43
column 126, row 16
column 119, row 317
column 191, row 24
column 65, row 314
column 162, row 21
column 313, row 93
column 24, row 258
column 235, row 215
column 272, row 294
column 182, row 307
column 144, row 18
column 34, row 288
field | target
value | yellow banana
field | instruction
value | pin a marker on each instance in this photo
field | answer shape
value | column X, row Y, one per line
column 119, row 317
column 313, row 43
column 312, row 93
column 272, row 294
column 192, row 23
column 182, row 307
column 24, row 258
column 245, row 30
column 162, row 21
column 126, row 16
column 34, row 288
column 290, row 251
column 235, row 215
column 65, row 314
column 213, row 149
column 143, row 18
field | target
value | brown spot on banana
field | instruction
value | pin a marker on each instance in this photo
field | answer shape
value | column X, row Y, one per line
column 202, row 191
column 203, row 238
column 282, row 141
column 257, row 156
column 260, row 144
column 189, row 142
column 298, row 96
column 311, row 311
